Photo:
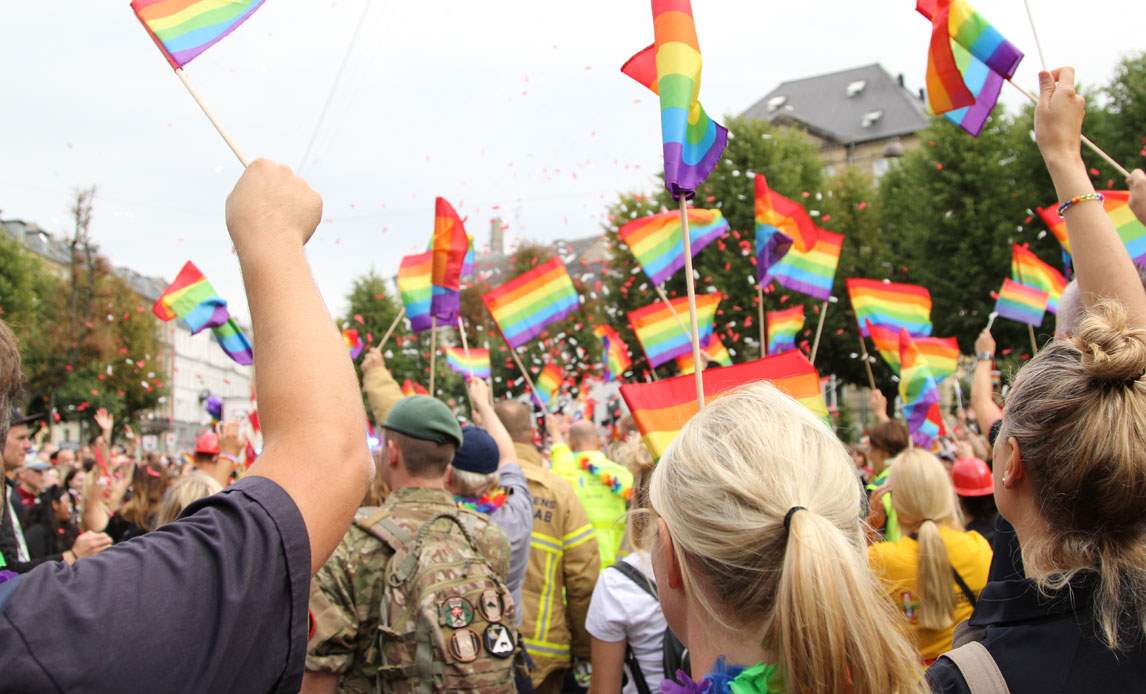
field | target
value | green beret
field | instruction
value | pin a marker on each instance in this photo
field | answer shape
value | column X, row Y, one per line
column 425, row 418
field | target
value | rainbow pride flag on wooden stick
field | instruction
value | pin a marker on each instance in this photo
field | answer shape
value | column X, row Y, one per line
column 774, row 212
column 940, row 353
column 414, row 286
column 920, row 396
column 475, row 364
column 660, row 332
column 449, row 247
column 891, row 304
column 615, row 354
column 783, row 327
column 658, row 244
column 1117, row 205
column 693, row 142
column 1021, row 303
column 524, row 306
column 193, row 300
column 811, row 272
column 661, row 409
column 1027, row 268
column 549, row 383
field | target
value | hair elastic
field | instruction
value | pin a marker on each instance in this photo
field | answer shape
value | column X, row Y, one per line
column 788, row 517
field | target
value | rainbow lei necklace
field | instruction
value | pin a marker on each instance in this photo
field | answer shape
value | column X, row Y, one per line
column 486, row 504
column 625, row 491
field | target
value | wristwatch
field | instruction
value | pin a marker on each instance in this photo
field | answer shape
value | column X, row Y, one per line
column 984, row 356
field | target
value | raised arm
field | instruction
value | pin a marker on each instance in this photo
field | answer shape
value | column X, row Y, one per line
column 314, row 427
column 480, row 402
column 982, row 392
column 1103, row 266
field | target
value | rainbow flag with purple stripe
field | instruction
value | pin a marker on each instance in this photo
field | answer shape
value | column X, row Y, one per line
column 693, row 142
column 234, row 342
column 615, row 353
column 194, row 301
column 658, row 244
column 783, row 327
column 475, row 363
column 449, row 247
column 967, row 61
column 185, row 28
column 1021, row 303
column 811, row 272
column 919, row 393
column 414, row 286
column 525, row 305
column 549, row 383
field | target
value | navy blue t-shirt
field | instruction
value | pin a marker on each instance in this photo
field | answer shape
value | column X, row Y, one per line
column 215, row 602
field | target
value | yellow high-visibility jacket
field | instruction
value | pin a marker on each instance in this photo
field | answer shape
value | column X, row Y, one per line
column 606, row 509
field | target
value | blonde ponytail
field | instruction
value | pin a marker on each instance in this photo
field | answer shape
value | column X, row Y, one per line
column 724, row 488
column 924, row 499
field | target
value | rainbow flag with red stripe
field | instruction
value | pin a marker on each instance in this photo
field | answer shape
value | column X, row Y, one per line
column 715, row 352
column 811, row 272
column 1117, row 205
column 549, row 383
column 663, row 335
column 658, row 244
column 693, row 142
column 919, row 393
column 1021, row 303
column 1027, row 268
column 353, row 342
column 662, row 408
column 967, row 61
column 475, row 364
column 525, row 305
column 449, row 247
column 783, row 327
column 411, row 388
column 414, row 286
column 182, row 29
column 776, row 213
column 614, row 350
column 940, row 353
column 891, row 304
column 194, row 301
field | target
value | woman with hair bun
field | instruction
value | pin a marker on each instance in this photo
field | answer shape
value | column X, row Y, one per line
column 934, row 572
column 758, row 554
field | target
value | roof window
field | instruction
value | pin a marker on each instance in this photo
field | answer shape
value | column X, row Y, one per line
column 871, row 118
column 776, row 102
column 856, row 88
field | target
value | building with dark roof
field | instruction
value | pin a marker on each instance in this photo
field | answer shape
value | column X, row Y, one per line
column 862, row 117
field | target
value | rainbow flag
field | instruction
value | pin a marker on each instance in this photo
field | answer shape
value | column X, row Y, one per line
column 783, row 326
column 693, row 142
column 1027, row 268
column 658, row 244
column 525, row 305
column 662, row 408
column 1021, row 303
column 193, row 300
column 812, row 272
column 967, row 61
column 449, row 247
column 715, row 351
column 353, row 343
column 476, row 364
column 783, row 214
column 614, row 351
column 664, row 336
column 414, row 286
column 940, row 353
column 410, row 388
column 549, row 383
column 234, row 342
column 1117, row 205
column 890, row 304
column 185, row 28
column 919, row 394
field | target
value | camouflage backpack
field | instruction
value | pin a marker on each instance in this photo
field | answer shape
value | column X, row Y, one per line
column 447, row 621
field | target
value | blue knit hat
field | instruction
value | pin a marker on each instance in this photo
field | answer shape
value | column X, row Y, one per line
column 478, row 452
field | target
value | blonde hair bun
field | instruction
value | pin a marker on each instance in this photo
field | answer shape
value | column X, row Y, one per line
column 1112, row 351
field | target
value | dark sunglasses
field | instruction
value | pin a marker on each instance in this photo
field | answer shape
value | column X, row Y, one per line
column 994, row 432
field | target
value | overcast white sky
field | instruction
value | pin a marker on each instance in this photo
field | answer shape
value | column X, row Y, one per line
column 507, row 108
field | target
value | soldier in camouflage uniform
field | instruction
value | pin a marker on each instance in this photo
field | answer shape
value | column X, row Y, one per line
column 469, row 634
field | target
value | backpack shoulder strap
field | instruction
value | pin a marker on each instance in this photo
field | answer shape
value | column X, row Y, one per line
column 377, row 522
column 978, row 668
column 634, row 574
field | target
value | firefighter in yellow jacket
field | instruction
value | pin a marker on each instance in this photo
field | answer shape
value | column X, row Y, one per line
column 563, row 562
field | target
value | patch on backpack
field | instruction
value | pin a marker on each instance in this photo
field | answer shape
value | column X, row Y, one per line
column 499, row 641
column 490, row 607
column 465, row 646
column 456, row 613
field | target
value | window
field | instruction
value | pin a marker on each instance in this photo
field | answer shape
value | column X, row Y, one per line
column 856, row 88
column 871, row 118
column 776, row 102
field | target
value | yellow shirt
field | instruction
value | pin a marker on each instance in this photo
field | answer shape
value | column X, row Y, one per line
column 897, row 565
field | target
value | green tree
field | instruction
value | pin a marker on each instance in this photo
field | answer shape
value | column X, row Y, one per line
column 1117, row 121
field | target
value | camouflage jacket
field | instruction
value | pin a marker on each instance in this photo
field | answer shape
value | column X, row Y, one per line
column 346, row 593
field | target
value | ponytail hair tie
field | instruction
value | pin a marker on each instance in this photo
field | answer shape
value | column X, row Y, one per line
column 788, row 517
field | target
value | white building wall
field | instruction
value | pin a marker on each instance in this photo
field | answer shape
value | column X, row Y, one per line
column 200, row 366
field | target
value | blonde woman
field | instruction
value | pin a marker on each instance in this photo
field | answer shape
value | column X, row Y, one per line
column 759, row 558
column 935, row 570
column 189, row 489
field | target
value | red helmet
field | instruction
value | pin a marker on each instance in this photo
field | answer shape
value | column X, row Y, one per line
column 207, row 443
column 972, row 477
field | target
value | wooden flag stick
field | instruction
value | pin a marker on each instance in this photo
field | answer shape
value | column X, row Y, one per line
column 1034, row 342
column 211, row 117
column 991, row 320
column 393, row 325
column 433, row 352
column 820, row 331
column 763, row 323
column 698, row 365
column 1035, row 31
column 1085, row 140
column 671, row 308
column 465, row 345
column 866, row 362
column 529, row 381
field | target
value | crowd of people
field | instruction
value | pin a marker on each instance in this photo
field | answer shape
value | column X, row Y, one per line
column 514, row 552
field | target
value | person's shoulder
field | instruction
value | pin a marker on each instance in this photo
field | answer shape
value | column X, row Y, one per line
column 889, row 554
column 965, row 540
column 943, row 677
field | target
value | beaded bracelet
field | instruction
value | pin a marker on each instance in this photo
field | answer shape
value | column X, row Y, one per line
column 1077, row 199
